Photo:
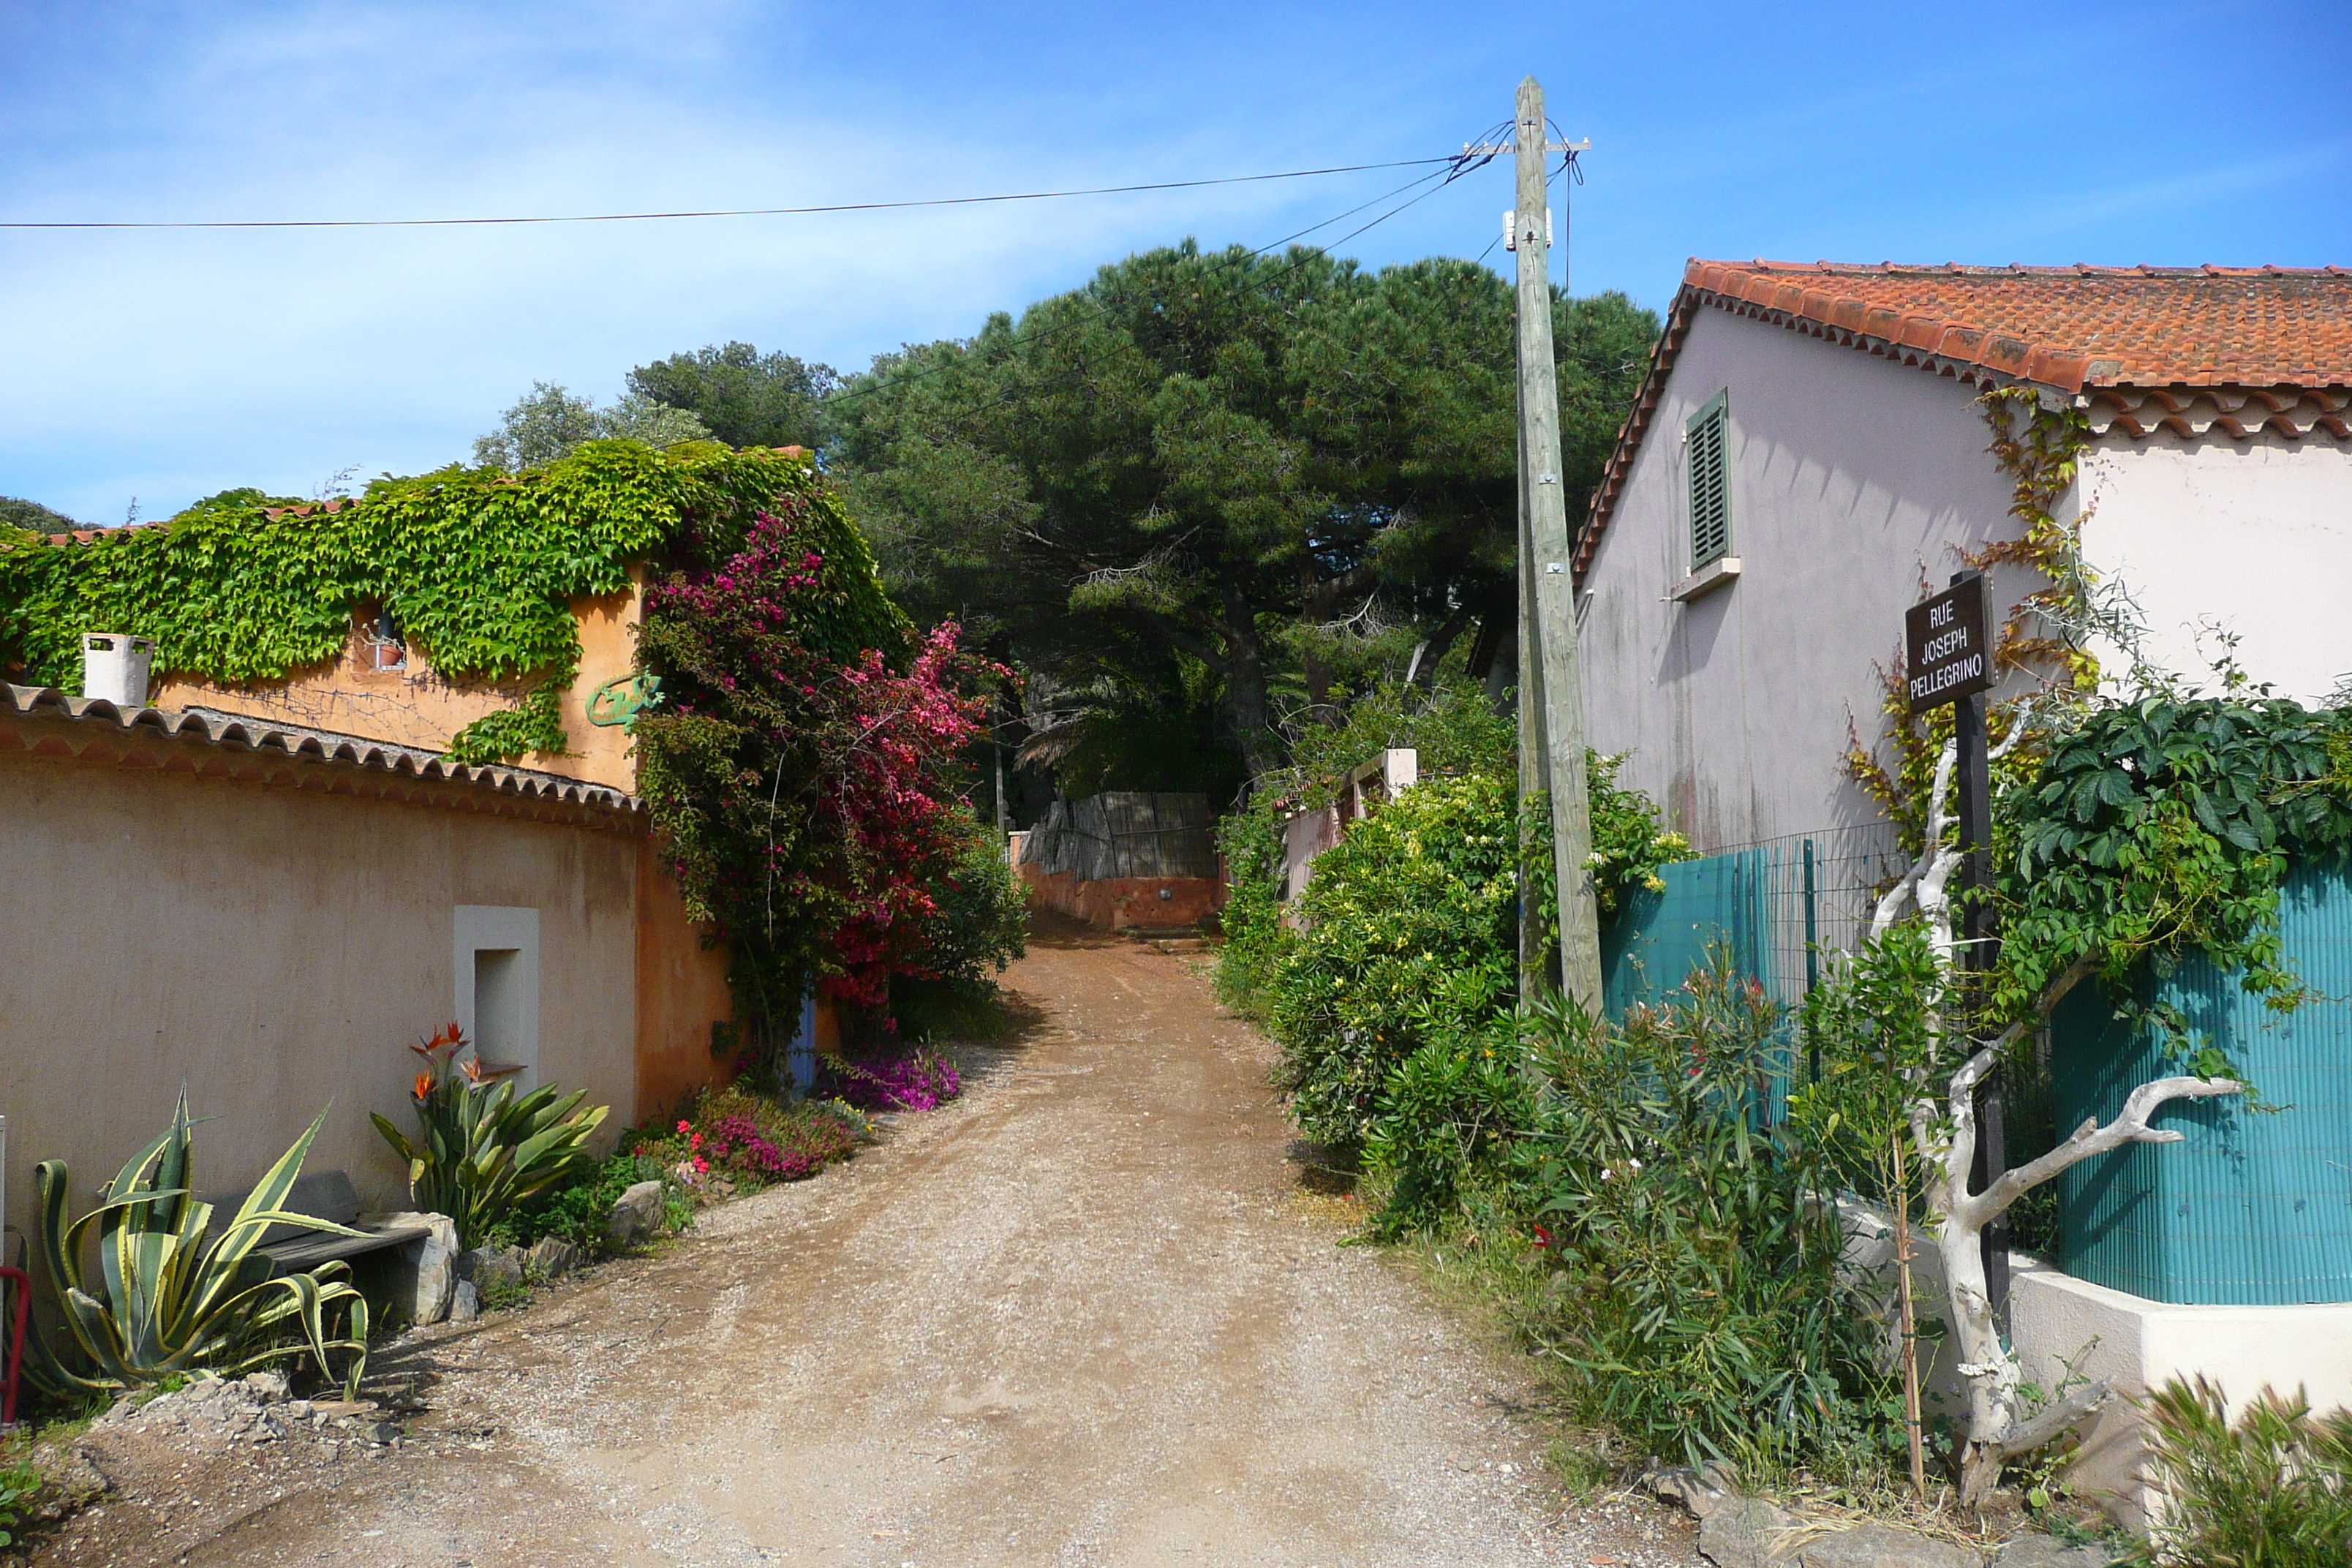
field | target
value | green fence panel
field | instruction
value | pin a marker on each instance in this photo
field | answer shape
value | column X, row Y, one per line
column 1720, row 904
column 2252, row 1207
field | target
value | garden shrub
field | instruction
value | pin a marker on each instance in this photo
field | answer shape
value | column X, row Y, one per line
column 980, row 924
column 1454, row 729
column 911, row 1081
column 1695, row 1271
column 579, row 1211
column 2274, row 1490
column 1447, row 1121
column 1688, row 1285
column 1410, row 933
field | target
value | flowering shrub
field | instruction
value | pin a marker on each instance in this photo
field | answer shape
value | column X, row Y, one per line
column 802, row 777
column 752, row 1139
column 916, row 1081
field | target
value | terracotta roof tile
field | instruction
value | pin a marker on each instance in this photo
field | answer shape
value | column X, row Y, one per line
column 2188, row 348
column 2079, row 326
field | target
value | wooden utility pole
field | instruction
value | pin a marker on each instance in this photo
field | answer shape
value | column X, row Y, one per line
column 1551, row 750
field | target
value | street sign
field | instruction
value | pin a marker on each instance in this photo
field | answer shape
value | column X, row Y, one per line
column 1948, row 653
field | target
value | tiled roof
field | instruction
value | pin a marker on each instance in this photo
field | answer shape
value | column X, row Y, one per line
column 2187, row 349
column 2071, row 327
column 203, row 742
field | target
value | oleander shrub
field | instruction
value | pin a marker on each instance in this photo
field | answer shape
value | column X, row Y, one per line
column 2272, row 1490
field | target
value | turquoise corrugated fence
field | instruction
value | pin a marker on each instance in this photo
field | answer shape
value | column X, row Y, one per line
column 2252, row 1208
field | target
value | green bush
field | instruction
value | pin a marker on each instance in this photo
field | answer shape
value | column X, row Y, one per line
column 981, row 924
column 1695, row 1283
column 1411, row 932
column 1454, row 730
column 1689, row 1289
column 579, row 1211
column 1446, row 1119
column 2275, row 1490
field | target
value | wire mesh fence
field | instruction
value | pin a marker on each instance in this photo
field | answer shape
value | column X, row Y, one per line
column 1775, row 909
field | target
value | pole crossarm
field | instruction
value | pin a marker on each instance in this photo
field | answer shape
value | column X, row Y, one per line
column 1496, row 149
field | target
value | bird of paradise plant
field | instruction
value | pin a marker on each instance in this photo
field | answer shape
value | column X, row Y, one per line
column 170, row 1295
column 480, row 1149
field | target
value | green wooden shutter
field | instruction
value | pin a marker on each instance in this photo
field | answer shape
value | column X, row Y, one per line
column 1710, row 482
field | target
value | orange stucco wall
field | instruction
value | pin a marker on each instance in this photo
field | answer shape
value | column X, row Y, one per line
column 681, row 992
column 1117, row 903
column 416, row 707
column 273, row 931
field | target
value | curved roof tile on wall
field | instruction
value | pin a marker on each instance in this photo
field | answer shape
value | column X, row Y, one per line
column 2240, row 349
column 230, row 732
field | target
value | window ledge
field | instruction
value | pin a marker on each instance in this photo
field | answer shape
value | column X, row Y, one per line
column 1706, row 580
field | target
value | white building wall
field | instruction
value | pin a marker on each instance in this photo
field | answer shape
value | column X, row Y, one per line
column 1851, row 480
column 2252, row 537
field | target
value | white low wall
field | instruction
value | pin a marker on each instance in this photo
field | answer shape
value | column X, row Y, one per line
column 2142, row 1344
column 2058, row 1322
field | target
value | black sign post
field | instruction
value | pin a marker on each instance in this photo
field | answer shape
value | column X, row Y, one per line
column 1948, row 657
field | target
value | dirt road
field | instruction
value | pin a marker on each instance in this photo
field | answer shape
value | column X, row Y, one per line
column 1085, row 1315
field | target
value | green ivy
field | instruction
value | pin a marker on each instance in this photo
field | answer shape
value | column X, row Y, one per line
column 478, row 566
column 2161, row 828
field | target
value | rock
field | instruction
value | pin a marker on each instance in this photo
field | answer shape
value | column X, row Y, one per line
column 1874, row 1546
column 1744, row 1533
column 2038, row 1551
column 264, row 1387
column 465, row 1302
column 488, row 1268
column 637, row 1216
column 1702, row 1492
column 550, row 1256
column 422, row 1274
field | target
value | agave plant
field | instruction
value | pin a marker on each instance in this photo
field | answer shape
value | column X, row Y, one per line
column 480, row 1148
column 171, row 1294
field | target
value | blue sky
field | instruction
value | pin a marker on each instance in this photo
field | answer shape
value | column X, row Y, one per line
column 165, row 366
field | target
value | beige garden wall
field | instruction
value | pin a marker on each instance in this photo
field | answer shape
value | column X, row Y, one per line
column 273, row 941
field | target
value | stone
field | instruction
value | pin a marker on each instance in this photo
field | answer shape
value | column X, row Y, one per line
column 488, row 1268
column 2038, row 1551
column 265, row 1388
column 465, row 1302
column 1702, row 1492
column 550, row 1256
column 1745, row 1532
column 637, row 1216
column 421, row 1275
column 1874, row 1545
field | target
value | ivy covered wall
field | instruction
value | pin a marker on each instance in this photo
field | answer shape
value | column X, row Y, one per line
column 478, row 567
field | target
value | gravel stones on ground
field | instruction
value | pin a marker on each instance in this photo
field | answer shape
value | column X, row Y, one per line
column 215, row 1412
column 2038, row 1551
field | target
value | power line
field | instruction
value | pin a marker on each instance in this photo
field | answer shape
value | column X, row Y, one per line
column 1456, row 166
column 742, row 212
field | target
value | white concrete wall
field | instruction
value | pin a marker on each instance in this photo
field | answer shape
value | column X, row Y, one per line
column 2253, row 536
column 1852, row 479
column 2057, row 1321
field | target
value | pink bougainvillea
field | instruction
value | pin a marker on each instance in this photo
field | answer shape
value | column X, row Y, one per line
column 804, row 777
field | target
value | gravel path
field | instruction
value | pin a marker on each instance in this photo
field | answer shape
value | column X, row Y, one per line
column 1085, row 1315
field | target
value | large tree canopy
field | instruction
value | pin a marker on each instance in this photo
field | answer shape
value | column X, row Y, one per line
column 1205, row 473
column 744, row 397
